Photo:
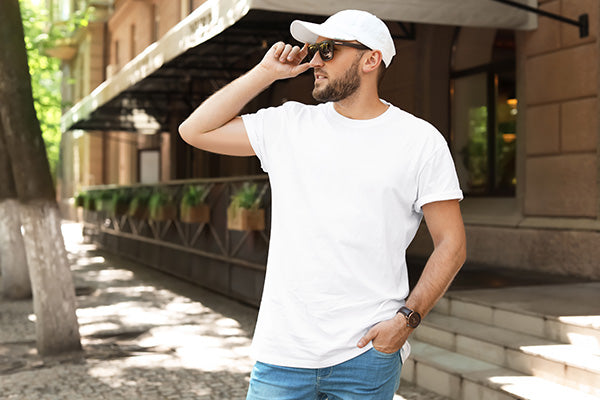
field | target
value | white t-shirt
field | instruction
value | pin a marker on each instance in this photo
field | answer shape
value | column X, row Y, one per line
column 346, row 203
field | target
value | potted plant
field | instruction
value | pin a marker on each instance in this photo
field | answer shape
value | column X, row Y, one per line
column 103, row 200
column 161, row 206
column 243, row 213
column 79, row 199
column 120, row 201
column 138, row 207
column 89, row 201
column 192, row 208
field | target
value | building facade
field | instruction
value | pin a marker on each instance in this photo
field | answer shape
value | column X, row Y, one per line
column 517, row 104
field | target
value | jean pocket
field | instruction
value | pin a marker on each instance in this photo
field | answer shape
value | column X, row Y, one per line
column 382, row 354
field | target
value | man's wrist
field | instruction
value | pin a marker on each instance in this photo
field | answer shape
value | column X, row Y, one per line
column 263, row 75
column 411, row 317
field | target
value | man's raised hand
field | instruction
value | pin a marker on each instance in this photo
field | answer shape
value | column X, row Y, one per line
column 283, row 61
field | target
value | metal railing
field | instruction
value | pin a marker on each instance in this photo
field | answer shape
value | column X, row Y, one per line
column 210, row 240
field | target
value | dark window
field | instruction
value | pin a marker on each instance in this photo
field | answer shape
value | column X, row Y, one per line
column 484, row 112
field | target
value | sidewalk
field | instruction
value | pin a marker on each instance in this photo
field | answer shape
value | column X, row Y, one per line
column 146, row 335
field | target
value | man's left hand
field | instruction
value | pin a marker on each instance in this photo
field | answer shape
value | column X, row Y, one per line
column 387, row 336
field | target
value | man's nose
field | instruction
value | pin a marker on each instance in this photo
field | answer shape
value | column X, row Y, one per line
column 316, row 61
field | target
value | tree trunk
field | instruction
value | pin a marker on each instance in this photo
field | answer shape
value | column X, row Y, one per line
column 57, row 329
column 13, row 264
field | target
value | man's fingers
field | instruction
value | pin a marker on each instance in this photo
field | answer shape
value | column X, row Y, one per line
column 301, row 68
column 295, row 54
column 285, row 52
column 277, row 49
column 370, row 335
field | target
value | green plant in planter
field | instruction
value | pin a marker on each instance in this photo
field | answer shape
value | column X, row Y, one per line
column 192, row 208
column 103, row 200
column 90, row 201
column 120, row 202
column 80, row 199
column 246, row 197
column 243, row 212
column 161, row 206
column 138, row 207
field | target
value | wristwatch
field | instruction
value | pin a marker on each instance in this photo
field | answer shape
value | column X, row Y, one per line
column 413, row 318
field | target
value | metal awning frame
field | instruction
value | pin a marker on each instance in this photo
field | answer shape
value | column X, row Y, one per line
column 216, row 42
column 582, row 22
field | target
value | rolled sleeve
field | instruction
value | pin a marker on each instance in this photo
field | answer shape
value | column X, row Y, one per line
column 437, row 180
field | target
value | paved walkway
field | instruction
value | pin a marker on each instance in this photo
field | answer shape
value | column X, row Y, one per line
column 145, row 335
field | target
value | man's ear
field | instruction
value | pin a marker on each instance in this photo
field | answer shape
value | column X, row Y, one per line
column 372, row 61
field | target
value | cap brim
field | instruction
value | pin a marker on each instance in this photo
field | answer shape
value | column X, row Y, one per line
column 308, row 32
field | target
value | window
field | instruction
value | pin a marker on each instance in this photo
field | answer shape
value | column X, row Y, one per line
column 65, row 8
column 484, row 111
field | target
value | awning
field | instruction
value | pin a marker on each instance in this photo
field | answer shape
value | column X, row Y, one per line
column 479, row 13
column 212, row 43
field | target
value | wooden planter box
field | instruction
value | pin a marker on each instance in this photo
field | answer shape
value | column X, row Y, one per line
column 120, row 208
column 165, row 213
column 241, row 219
column 141, row 212
column 199, row 214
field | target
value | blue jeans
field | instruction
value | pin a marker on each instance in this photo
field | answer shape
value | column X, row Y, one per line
column 372, row 375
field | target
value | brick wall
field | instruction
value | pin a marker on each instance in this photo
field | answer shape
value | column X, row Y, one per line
column 561, row 122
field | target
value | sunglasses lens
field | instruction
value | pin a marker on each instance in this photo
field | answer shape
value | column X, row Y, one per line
column 312, row 49
column 326, row 50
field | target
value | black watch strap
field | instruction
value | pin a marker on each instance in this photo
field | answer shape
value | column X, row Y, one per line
column 413, row 318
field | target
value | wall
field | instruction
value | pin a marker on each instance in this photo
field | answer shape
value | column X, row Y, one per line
column 552, row 224
column 561, row 71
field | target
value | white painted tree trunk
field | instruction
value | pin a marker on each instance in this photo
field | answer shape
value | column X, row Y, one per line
column 54, row 302
column 13, row 262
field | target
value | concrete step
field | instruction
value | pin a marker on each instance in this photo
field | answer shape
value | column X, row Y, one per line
column 582, row 329
column 566, row 364
column 465, row 378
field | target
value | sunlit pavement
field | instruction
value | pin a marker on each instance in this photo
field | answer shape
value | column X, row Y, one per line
column 146, row 335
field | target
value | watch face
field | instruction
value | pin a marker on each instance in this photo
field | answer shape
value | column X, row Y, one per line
column 414, row 319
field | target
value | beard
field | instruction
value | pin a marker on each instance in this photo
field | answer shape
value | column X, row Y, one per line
column 340, row 88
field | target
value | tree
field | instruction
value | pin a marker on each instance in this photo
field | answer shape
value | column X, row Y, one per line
column 13, row 262
column 45, row 75
column 57, row 329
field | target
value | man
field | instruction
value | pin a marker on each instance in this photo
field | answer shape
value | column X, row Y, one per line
column 351, row 179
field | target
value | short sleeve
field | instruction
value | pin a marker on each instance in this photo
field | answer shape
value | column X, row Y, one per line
column 262, row 128
column 437, row 180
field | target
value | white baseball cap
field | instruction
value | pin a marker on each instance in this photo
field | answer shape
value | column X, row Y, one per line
column 347, row 25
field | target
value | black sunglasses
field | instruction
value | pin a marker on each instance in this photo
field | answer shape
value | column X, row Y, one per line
column 325, row 49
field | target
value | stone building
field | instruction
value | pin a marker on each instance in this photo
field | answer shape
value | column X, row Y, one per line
column 514, row 93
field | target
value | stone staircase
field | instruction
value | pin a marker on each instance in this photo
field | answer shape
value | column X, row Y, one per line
column 472, row 349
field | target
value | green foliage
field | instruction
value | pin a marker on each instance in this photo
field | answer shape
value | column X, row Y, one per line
column 45, row 78
column 246, row 197
column 45, row 71
column 194, row 195
column 80, row 199
column 121, row 196
column 158, row 199
column 103, row 200
column 119, row 202
column 89, row 201
column 139, row 200
column 475, row 152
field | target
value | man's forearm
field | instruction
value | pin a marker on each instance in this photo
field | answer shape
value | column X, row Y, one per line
column 226, row 103
column 441, row 268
